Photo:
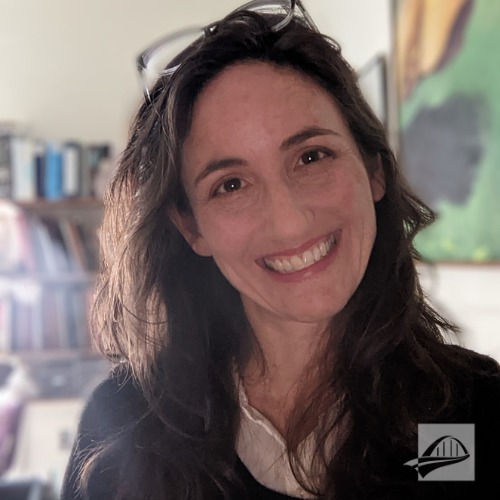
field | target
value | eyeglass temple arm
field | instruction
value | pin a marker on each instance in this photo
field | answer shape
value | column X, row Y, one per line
column 141, row 68
column 142, row 62
column 306, row 15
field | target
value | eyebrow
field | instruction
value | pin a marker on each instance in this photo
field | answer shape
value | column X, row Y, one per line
column 304, row 134
column 294, row 140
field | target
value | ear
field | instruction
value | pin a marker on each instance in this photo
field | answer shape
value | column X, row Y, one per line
column 377, row 178
column 187, row 226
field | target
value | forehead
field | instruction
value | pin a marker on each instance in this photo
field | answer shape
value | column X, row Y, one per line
column 251, row 105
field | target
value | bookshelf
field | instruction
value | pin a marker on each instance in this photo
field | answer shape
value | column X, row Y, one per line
column 68, row 204
column 50, row 211
column 64, row 278
column 47, row 273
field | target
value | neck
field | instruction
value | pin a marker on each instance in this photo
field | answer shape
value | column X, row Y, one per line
column 282, row 373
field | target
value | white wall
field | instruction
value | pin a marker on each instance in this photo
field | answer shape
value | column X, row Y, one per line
column 67, row 71
column 362, row 27
column 470, row 296
column 68, row 67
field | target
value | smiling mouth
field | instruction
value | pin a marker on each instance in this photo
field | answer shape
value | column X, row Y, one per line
column 315, row 253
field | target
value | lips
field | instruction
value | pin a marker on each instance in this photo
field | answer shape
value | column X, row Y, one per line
column 294, row 251
column 297, row 250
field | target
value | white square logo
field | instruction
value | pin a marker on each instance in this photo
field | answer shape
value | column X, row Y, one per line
column 445, row 452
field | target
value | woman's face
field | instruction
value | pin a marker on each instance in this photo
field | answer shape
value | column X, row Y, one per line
column 276, row 180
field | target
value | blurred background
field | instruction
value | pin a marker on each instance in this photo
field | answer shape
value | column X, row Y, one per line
column 68, row 90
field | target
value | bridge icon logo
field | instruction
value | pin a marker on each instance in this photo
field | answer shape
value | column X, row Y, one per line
column 444, row 451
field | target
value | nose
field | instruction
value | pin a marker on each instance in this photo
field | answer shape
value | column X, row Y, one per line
column 287, row 214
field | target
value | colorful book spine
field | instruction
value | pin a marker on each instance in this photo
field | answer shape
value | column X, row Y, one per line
column 53, row 172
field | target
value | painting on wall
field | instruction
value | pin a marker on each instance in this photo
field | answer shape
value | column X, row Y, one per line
column 448, row 72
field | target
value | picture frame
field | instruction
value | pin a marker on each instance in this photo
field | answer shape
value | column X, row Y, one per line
column 372, row 80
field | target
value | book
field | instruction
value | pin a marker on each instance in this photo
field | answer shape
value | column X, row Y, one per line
column 74, row 244
column 39, row 158
column 12, row 246
column 5, row 315
column 71, row 321
column 61, row 316
column 35, row 304
column 27, row 330
column 8, row 131
column 58, row 247
column 22, row 162
column 81, row 316
column 5, row 165
column 46, row 256
column 32, row 168
column 71, row 169
column 50, row 323
column 100, row 166
column 85, row 174
column 53, row 187
column 32, row 224
column 90, row 246
column 28, row 257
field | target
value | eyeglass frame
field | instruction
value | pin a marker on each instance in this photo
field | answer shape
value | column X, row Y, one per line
column 145, row 56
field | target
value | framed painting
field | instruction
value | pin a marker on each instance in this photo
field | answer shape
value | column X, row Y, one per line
column 448, row 80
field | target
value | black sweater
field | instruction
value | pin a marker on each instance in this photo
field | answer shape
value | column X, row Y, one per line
column 112, row 403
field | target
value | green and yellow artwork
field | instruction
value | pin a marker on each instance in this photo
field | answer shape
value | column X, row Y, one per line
column 448, row 62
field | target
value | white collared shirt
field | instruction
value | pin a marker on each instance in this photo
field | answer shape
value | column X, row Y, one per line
column 263, row 451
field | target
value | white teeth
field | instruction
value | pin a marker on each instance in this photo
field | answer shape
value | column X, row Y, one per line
column 273, row 265
column 297, row 263
column 307, row 259
column 322, row 249
column 316, row 253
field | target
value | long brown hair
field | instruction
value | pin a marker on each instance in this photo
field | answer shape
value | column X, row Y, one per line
column 178, row 325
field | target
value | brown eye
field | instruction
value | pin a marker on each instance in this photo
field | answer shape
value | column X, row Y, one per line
column 232, row 185
column 312, row 156
column 229, row 186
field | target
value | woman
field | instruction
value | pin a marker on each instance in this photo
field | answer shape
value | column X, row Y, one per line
column 259, row 288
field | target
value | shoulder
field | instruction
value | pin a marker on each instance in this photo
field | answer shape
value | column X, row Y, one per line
column 116, row 403
column 113, row 408
column 484, row 415
column 482, row 368
column 479, row 372
column 473, row 385
column 486, row 388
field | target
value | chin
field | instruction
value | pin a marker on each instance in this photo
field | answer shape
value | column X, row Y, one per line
column 312, row 314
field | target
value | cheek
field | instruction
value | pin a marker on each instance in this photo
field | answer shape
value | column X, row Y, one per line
column 343, row 196
column 349, row 203
column 226, row 235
